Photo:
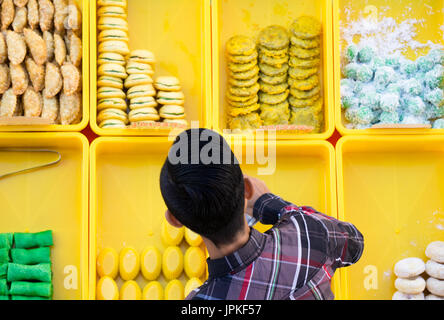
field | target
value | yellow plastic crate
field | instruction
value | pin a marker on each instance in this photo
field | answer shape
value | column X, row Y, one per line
column 53, row 198
column 392, row 189
column 84, row 6
column 182, row 49
column 429, row 30
column 232, row 17
column 127, row 208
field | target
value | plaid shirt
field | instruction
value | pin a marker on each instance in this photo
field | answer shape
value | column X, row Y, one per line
column 294, row 260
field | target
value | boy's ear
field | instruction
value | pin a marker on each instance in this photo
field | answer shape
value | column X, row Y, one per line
column 172, row 220
column 248, row 188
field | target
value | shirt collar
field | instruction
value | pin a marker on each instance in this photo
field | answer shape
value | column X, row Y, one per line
column 239, row 259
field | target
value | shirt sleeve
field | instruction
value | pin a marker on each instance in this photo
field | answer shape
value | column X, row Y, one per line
column 345, row 244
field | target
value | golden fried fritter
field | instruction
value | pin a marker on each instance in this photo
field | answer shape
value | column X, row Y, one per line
column 234, row 111
column 273, row 88
column 53, row 80
column 75, row 49
column 241, row 46
column 5, row 78
column 32, row 103
column 244, row 91
column 9, row 103
column 302, row 73
column 16, row 47
column 36, row 45
column 7, row 13
column 49, row 41
column 273, row 115
column 20, row 3
column 274, row 37
column 249, row 121
column 50, row 108
column 300, row 94
column 306, row 27
column 70, row 108
column 20, row 19
column 33, row 14
column 59, row 49
column 71, row 78
column 60, row 14
column 46, row 15
column 306, row 84
column 273, row 98
column 74, row 16
column 36, row 74
column 3, row 48
column 302, row 103
column 19, row 79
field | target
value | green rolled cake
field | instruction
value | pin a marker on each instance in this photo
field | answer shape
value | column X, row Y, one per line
column 4, row 256
column 6, row 240
column 38, row 272
column 28, row 298
column 4, row 298
column 31, row 256
column 3, row 287
column 3, row 271
column 31, row 289
column 33, row 240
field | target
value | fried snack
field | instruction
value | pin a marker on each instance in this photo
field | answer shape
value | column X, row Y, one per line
column 244, row 75
column 266, row 98
column 243, row 59
column 244, row 91
column 70, row 108
column 274, row 38
column 307, row 117
column 19, row 79
column 75, row 49
column 36, row 45
column 33, row 14
column 241, row 67
column 296, row 62
column 7, row 13
column 59, row 49
column 277, row 62
column 243, row 83
column 3, row 48
column 53, row 80
column 241, row 46
column 71, row 78
column 49, row 41
column 36, row 74
column 74, row 16
column 306, row 27
column 46, row 14
column 51, row 107
column 306, row 84
column 273, row 115
column 273, row 88
column 300, row 94
column 32, row 103
column 20, row 19
column 273, row 71
column 16, row 47
column 20, row 3
column 302, row 73
column 305, row 53
column 301, row 103
column 306, row 43
column 273, row 79
column 60, row 14
column 243, row 104
column 235, row 111
column 9, row 104
column 273, row 53
column 5, row 78
column 245, row 122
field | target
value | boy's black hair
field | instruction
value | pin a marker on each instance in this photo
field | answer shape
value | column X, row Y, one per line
column 205, row 194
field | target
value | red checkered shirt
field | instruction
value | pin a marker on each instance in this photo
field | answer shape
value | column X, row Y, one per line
column 295, row 259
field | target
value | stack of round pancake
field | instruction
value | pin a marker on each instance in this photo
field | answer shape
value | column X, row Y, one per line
column 305, row 57
column 112, row 49
column 273, row 44
column 243, row 87
column 171, row 99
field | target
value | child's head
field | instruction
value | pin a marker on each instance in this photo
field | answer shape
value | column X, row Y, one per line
column 203, row 186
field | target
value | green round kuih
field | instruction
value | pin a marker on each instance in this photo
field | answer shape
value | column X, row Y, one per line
column 39, row 272
column 33, row 240
column 31, row 256
column 31, row 289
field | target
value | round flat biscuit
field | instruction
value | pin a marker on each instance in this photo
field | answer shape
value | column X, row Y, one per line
column 274, row 37
column 273, row 98
column 306, row 84
column 243, row 59
column 273, row 61
column 302, row 73
column 243, row 67
column 306, row 43
column 298, row 94
column 244, row 91
column 234, row 112
column 273, row 79
column 273, row 71
column 241, row 46
column 306, row 27
column 245, row 75
column 273, row 88
column 305, row 53
column 243, row 83
column 295, row 62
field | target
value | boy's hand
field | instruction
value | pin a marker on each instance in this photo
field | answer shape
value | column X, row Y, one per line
column 254, row 189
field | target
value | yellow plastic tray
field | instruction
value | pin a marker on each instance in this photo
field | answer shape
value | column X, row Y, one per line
column 430, row 30
column 231, row 17
column 84, row 6
column 53, row 198
column 127, row 208
column 392, row 189
column 178, row 32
